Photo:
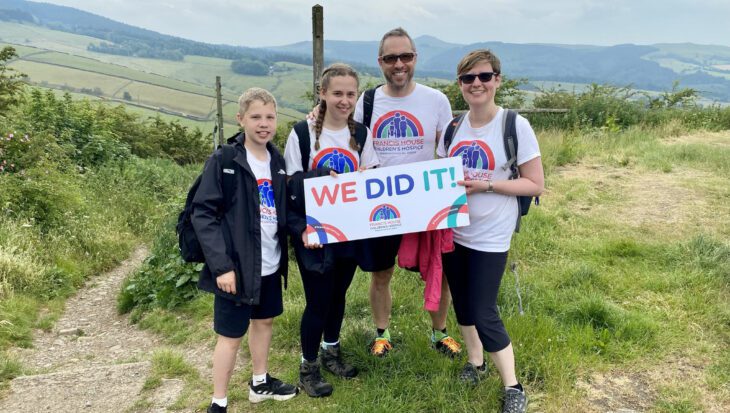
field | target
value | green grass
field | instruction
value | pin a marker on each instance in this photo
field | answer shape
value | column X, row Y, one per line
column 599, row 294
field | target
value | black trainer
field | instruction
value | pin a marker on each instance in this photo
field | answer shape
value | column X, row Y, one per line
column 272, row 388
column 514, row 401
column 472, row 374
column 214, row 408
column 332, row 362
column 310, row 379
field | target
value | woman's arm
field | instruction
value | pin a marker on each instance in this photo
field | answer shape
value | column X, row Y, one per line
column 530, row 183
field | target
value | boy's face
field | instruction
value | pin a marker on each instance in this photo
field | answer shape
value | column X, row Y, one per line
column 259, row 122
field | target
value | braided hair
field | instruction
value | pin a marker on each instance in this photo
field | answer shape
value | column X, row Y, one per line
column 335, row 69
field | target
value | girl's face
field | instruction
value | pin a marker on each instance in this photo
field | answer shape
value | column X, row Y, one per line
column 259, row 122
column 480, row 93
column 340, row 96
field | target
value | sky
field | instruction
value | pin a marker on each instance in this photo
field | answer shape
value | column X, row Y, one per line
column 257, row 23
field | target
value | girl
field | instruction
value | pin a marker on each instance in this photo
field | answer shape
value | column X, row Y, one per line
column 474, row 270
column 326, row 271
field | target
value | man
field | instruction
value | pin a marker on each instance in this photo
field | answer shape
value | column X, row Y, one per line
column 407, row 120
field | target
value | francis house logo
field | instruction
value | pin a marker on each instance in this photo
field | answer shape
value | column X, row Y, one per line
column 384, row 217
column 477, row 159
column 338, row 159
column 398, row 132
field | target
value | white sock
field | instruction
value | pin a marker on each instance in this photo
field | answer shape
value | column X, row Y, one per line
column 258, row 379
column 221, row 402
column 326, row 344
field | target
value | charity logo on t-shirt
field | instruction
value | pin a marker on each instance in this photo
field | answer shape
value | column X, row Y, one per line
column 477, row 159
column 268, row 207
column 398, row 132
column 338, row 159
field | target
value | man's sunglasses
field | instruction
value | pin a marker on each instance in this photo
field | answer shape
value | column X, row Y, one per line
column 392, row 58
column 484, row 77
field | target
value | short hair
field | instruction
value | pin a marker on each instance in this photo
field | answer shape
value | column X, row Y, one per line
column 478, row 56
column 254, row 93
column 397, row 32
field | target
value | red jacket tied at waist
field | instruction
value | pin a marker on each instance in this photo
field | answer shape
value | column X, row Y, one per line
column 421, row 251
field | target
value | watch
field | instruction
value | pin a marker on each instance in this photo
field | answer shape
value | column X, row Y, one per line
column 490, row 186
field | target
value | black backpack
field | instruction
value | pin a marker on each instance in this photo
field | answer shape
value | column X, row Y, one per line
column 368, row 100
column 302, row 130
column 509, row 135
column 190, row 249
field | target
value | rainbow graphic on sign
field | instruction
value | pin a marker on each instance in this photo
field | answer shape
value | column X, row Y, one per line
column 397, row 124
column 338, row 159
column 450, row 215
column 474, row 155
column 384, row 212
column 323, row 231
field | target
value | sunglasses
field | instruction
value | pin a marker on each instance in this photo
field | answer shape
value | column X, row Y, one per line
column 392, row 58
column 484, row 77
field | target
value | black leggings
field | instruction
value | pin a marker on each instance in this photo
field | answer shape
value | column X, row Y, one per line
column 325, row 308
column 474, row 278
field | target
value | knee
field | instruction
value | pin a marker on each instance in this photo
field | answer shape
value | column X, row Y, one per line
column 229, row 344
column 266, row 323
column 381, row 279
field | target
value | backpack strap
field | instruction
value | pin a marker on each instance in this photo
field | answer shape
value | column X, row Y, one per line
column 361, row 135
column 302, row 130
column 368, row 101
column 451, row 131
column 228, row 185
column 509, row 136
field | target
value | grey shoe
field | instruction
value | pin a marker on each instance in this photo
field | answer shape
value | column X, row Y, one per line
column 514, row 401
column 472, row 374
column 332, row 362
column 311, row 381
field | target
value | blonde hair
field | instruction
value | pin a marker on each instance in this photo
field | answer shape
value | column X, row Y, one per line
column 335, row 69
column 475, row 57
column 254, row 93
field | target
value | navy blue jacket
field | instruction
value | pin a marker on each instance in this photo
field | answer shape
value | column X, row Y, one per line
column 233, row 242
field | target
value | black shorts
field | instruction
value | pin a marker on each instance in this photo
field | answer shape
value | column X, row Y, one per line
column 231, row 319
column 378, row 254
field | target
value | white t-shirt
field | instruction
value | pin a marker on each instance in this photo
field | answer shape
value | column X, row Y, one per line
column 492, row 216
column 334, row 152
column 404, row 128
column 270, row 249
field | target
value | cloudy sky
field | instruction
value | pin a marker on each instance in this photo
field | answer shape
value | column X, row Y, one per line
column 278, row 22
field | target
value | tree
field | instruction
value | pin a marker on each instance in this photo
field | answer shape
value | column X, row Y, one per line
column 11, row 83
column 127, row 96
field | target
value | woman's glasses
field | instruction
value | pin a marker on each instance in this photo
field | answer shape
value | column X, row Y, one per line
column 392, row 58
column 484, row 77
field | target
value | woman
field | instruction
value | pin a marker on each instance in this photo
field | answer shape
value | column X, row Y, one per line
column 326, row 271
column 474, row 270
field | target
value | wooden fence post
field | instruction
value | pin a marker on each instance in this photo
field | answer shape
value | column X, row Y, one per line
column 219, row 102
column 317, row 49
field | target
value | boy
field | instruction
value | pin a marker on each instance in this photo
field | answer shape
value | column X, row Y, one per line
column 245, row 248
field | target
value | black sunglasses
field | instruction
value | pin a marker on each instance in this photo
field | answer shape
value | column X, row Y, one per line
column 484, row 77
column 392, row 58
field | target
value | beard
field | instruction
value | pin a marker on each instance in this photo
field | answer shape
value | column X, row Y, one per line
column 398, row 85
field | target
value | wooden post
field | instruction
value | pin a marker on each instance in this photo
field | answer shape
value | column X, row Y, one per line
column 317, row 48
column 219, row 102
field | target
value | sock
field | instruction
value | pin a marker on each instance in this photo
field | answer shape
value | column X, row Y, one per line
column 220, row 402
column 438, row 335
column 258, row 379
column 303, row 360
column 483, row 367
column 517, row 386
column 326, row 344
column 384, row 333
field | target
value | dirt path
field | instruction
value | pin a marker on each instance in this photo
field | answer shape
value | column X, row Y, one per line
column 94, row 360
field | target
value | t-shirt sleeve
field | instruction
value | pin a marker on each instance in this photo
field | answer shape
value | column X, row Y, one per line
column 444, row 113
column 527, row 147
column 440, row 150
column 358, row 115
column 292, row 154
column 369, row 157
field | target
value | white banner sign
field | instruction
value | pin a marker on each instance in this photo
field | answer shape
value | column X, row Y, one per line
column 385, row 201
